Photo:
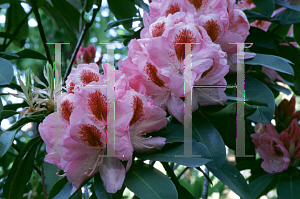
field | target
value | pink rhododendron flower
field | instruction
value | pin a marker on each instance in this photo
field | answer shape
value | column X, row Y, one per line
column 86, row 55
column 158, row 62
column 83, row 132
column 273, row 75
column 285, row 113
column 270, row 148
column 278, row 152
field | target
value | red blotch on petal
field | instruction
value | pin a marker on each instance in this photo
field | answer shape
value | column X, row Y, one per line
column 72, row 86
column 90, row 135
column 172, row 9
column 184, row 36
column 158, row 29
column 212, row 28
column 97, row 104
column 197, row 3
column 152, row 72
column 88, row 76
column 67, row 108
column 138, row 110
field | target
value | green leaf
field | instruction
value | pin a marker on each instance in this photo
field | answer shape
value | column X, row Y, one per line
column 144, row 6
column 49, row 177
column 260, row 38
column 252, row 15
column 296, row 31
column 7, row 113
column 265, row 6
column 271, row 61
column 122, row 21
column 1, row 105
column 6, row 139
column 249, row 165
column 57, row 187
column 68, row 11
column 100, row 191
column 123, row 9
column 287, row 17
column 6, row 35
column 169, row 152
column 27, row 53
column 231, row 177
column 289, row 189
column 6, row 73
column 24, row 153
column 280, row 89
column 258, row 185
column 8, row 55
column 25, row 120
column 149, row 183
column 12, row 22
column 287, row 5
column 211, row 139
column 257, row 91
column 23, row 173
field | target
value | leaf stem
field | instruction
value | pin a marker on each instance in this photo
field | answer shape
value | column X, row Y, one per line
column 83, row 33
column 170, row 173
column 205, row 185
column 42, row 33
column 182, row 172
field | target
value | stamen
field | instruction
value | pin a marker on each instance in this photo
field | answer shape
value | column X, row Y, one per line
column 63, row 175
column 95, row 165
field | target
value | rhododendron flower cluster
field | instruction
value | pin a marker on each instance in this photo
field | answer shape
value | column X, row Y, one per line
column 157, row 59
column 87, row 55
column 83, row 115
column 278, row 152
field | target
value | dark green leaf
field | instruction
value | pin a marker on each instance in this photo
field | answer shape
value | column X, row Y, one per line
column 296, row 31
column 13, row 20
column 7, row 114
column 57, row 187
column 27, row 53
column 123, row 9
column 231, row 177
column 265, row 6
column 251, row 15
column 258, row 185
column 100, row 191
column 289, row 189
column 144, row 6
column 6, row 139
column 122, row 21
column 169, row 152
column 257, row 91
column 6, row 35
column 66, row 192
column 287, row 5
column 149, row 183
column 52, row 13
column 68, row 11
column 49, row 177
column 249, row 165
column 280, row 89
column 27, row 149
column 25, row 120
column 8, row 55
column 260, row 38
column 271, row 61
column 1, row 106
column 6, row 72
column 211, row 139
column 23, row 172
column 287, row 17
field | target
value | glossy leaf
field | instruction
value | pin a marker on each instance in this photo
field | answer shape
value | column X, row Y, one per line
column 289, row 188
column 260, row 38
column 6, row 139
column 296, row 31
column 49, row 177
column 123, row 9
column 28, row 53
column 258, row 185
column 257, row 91
column 265, row 6
column 30, row 146
column 25, row 120
column 288, row 16
column 287, row 5
column 100, row 191
column 7, row 114
column 272, row 62
column 6, row 73
column 231, row 177
column 211, row 139
column 169, row 152
column 57, row 187
column 149, row 183
column 122, row 21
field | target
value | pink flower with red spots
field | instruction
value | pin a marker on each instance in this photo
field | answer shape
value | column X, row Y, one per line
column 80, row 144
